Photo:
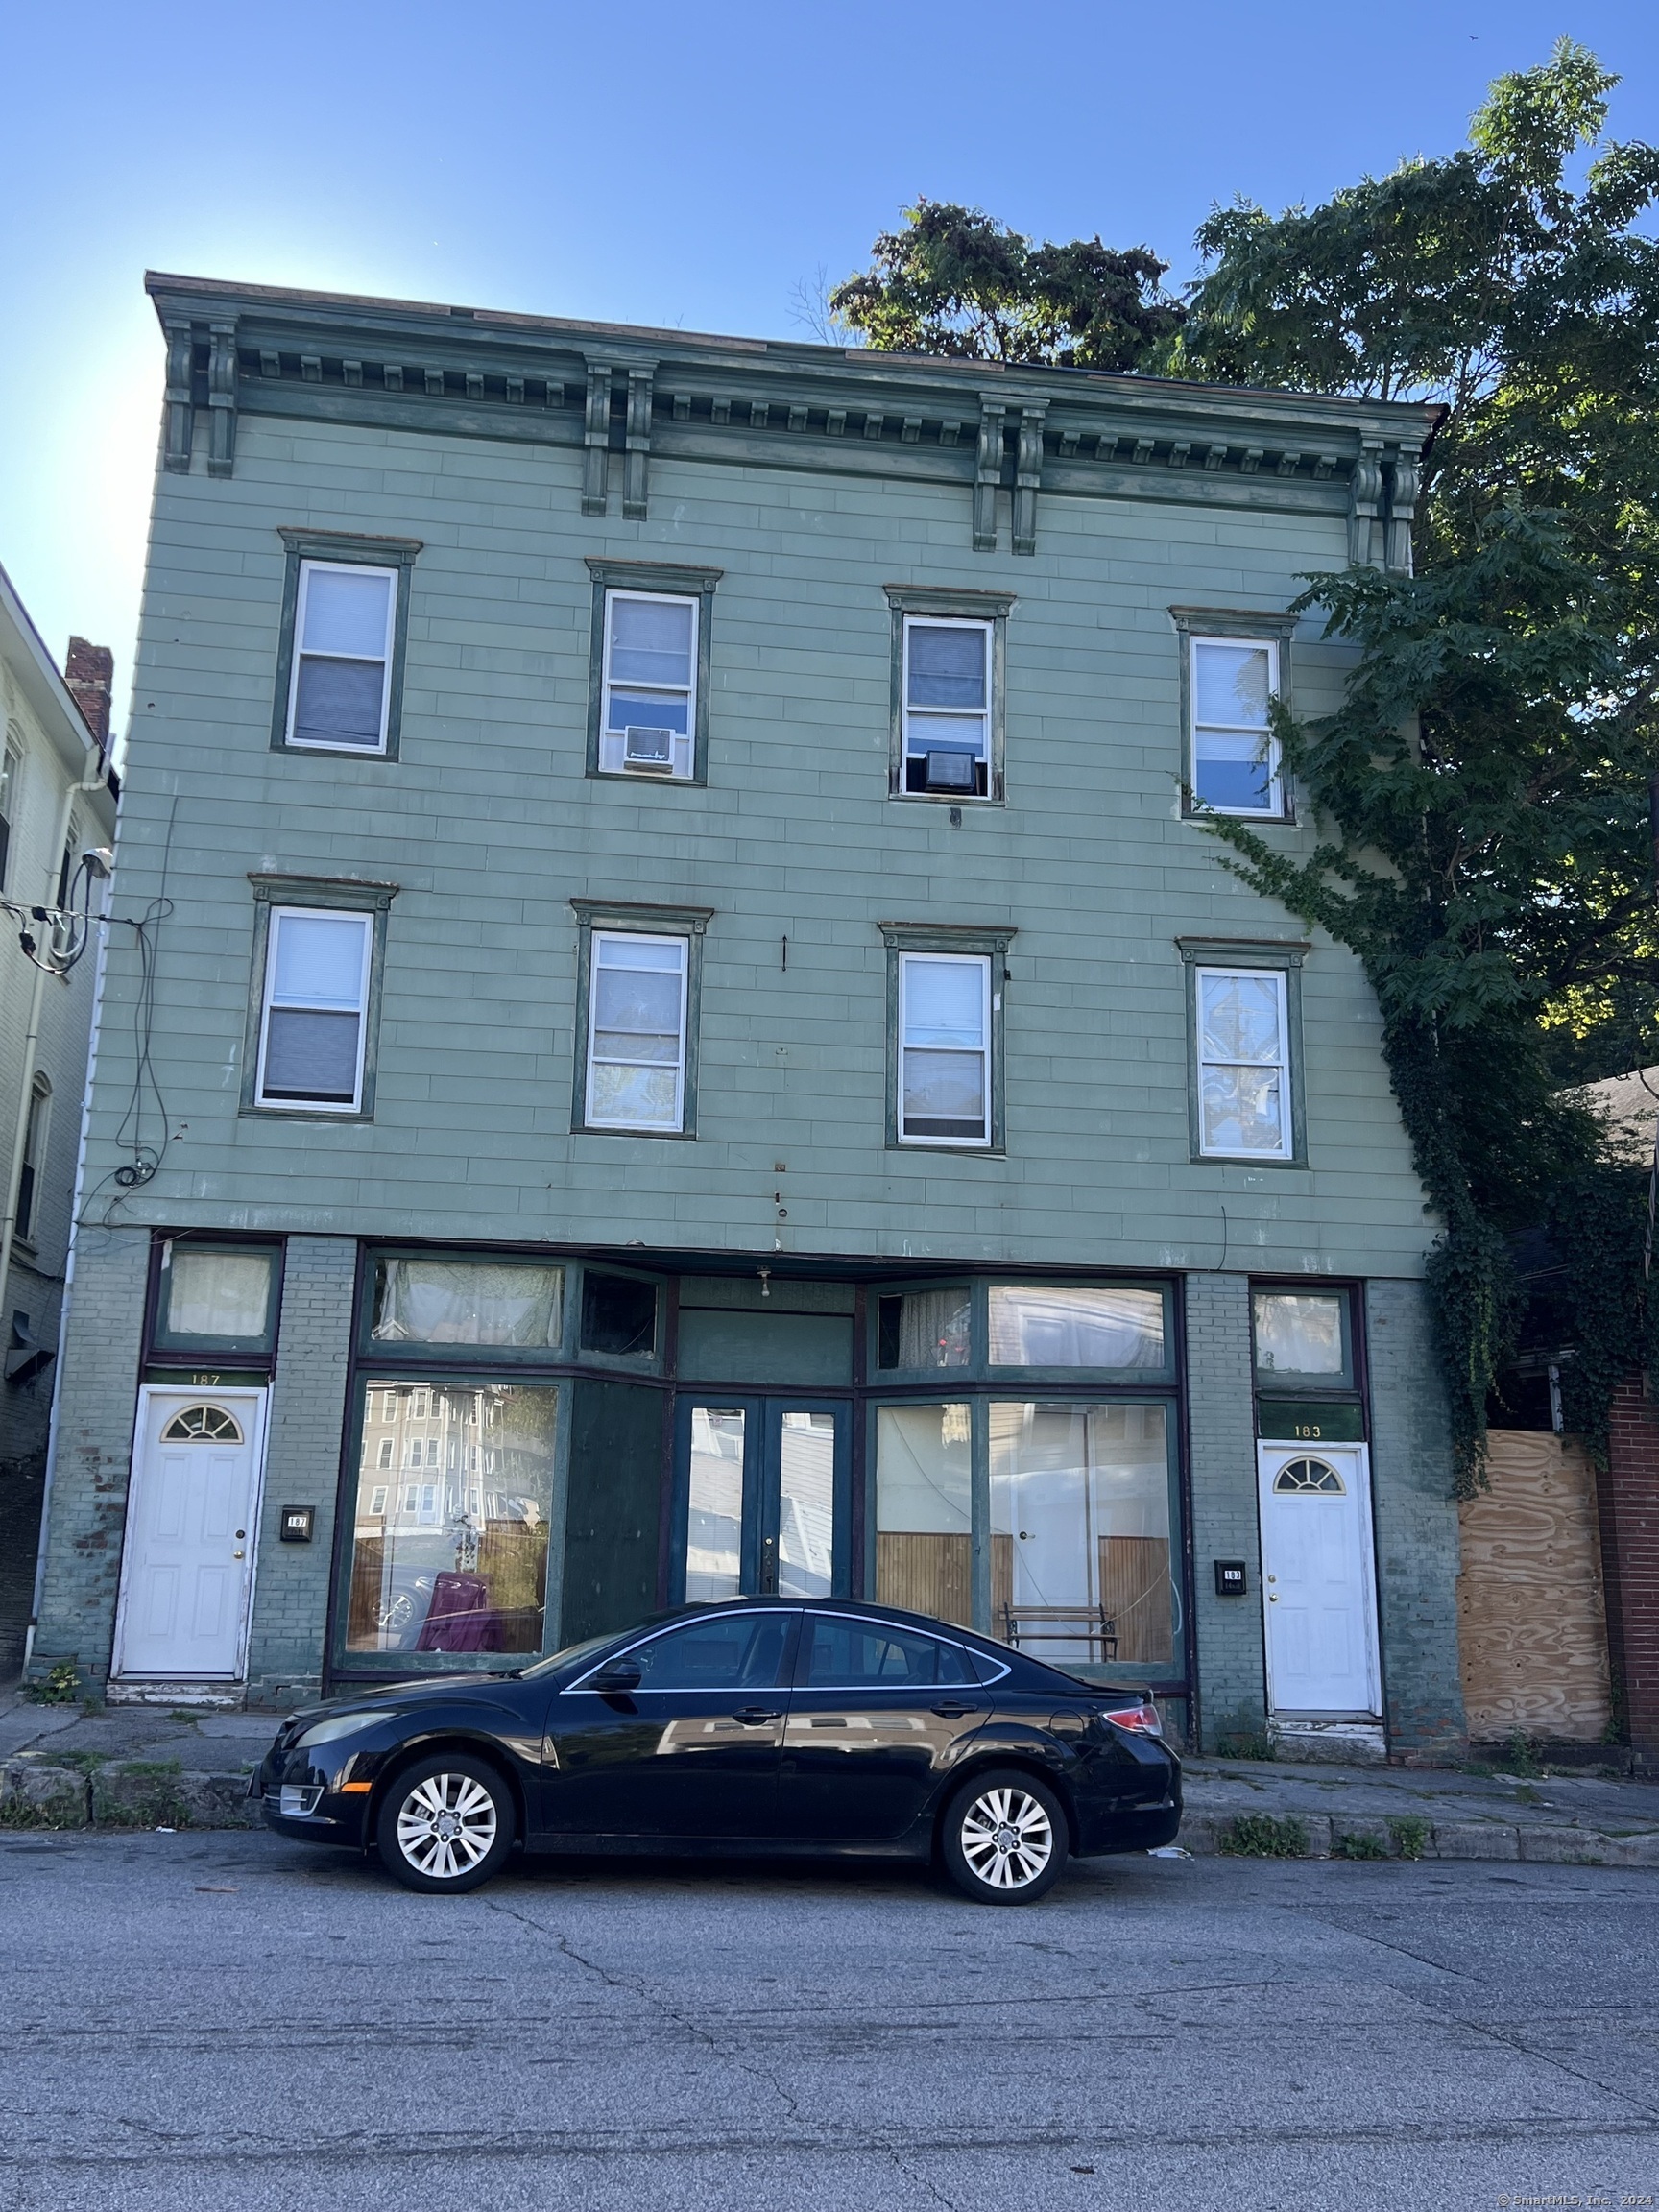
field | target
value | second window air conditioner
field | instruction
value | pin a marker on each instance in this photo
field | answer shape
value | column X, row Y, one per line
column 651, row 750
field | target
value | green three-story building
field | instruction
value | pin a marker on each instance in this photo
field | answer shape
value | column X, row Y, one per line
column 674, row 1026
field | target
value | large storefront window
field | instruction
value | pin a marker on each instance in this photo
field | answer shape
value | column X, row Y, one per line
column 1080, row 1554
column 449, row 1539
column 923, row 1510
column 485, row 1303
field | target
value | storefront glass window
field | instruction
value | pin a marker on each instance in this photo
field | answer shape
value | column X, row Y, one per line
column 1042, row 1327
column 923, row 1510
column 1300, row 1334
column 218, row 1300
column 467, row 1302
column 1080, row 1552
column 715, row 1529
column 924, row 1329
column 450, row 1556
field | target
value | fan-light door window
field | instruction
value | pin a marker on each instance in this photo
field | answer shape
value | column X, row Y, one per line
column 311, row 1036
column 636, row 1032
column 944, row 1049
column 650, row 684
column 946, row 707
column 1243, row 1065
column 344, row 623
column 1235, row 766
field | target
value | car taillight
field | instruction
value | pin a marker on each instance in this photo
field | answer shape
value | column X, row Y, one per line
column 1142, row 1716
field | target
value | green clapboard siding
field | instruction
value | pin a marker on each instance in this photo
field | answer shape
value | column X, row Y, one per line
column 611, row 1511
column 805, row 1349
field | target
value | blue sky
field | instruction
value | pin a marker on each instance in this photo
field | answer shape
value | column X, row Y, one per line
column 650, row 163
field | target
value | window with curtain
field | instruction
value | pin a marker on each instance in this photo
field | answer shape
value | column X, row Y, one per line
column 923, row 1510
column 946, row 706
column 1244, row 1064
column 637, row 1031
column 482, row 1302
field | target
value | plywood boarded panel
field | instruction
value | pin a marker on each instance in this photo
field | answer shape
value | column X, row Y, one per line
column 927, row 1574
column 1531, row 1622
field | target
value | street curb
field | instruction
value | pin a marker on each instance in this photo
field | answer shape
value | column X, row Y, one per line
column 122, row 1794
column 1205, row 1834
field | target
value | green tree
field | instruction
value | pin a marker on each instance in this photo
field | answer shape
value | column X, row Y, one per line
column 1483, row 793
column 955, row 281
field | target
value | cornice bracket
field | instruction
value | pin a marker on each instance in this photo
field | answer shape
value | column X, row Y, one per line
column 1029, row 477
column 596, row 439
column 636, row 481
column 988, row 476
column 181, row 415
column 1366, row 505
column 220, row 398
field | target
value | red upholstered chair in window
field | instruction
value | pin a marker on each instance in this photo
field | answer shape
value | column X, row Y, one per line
column 459, row 1617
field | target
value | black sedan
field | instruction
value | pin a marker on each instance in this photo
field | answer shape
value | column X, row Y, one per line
column 760, row 1725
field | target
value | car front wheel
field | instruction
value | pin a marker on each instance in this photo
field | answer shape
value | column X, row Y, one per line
column 445, row 1824
column 1004, row 1838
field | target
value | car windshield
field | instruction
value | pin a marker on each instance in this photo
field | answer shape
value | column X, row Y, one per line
column 589, row 1647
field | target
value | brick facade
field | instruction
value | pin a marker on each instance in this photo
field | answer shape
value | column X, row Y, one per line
column 1416, row 1521
column 1627, row 1496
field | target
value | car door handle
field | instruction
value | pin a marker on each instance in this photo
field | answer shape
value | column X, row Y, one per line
column 957, row 1709
column 756, row 1715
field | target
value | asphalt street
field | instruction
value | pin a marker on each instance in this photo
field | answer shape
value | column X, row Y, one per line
column 233, row 2020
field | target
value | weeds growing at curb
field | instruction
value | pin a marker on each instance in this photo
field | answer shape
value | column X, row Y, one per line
column 1521, row 1758
column 1261, row 1836
column 60, row 1685
column 1411, row 1836
column 1357, row 1847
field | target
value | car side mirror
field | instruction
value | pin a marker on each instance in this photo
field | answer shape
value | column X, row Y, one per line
column 621, row 1674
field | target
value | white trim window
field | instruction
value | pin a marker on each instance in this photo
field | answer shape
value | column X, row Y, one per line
column 944, row 1056
column 314, row 1021
column 637, row 1000
column 1244, row 1064
column 946, row 706
column 1235, row 766
column 344, row 623
column 650, row 684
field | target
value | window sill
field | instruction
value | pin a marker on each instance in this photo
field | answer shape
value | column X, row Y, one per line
column 1245, row 1160
column 949, row 1151
column 386, row 752
column 948, row 798
column 651, row 1135
column 337, row 1115
column 646, row 776
column 1284, row 819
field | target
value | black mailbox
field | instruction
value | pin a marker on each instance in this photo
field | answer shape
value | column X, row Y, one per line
column 1230, row 1579
column 297, row 1524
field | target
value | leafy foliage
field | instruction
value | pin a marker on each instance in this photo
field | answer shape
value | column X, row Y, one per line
column 955, row 281
column 1483, row 791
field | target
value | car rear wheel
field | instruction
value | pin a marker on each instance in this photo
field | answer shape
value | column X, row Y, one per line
column 445, row 1824
column 1004, row 1838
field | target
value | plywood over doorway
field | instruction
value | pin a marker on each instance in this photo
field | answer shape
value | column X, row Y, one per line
column 1531, row 1622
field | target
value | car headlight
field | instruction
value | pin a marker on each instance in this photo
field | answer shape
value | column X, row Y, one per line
column 330, row 1731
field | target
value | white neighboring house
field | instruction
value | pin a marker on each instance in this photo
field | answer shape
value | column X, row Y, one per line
column 57, row 802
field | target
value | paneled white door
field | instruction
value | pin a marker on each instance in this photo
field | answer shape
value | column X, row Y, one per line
column 187, row 1566
column 1318, row 1590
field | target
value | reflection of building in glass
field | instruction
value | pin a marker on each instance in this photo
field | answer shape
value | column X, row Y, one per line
column 451, row 1555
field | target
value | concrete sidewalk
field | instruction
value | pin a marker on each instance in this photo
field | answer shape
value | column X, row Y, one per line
column 137, row 1766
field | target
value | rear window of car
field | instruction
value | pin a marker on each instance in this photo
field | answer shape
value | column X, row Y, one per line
column 741, row 1651
column 855, row 1654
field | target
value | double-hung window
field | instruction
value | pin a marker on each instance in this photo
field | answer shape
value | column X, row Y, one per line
column 637, row 1031
column 1245, row 1106
column 344, row 625
column 1235, row 766
column 947, row 667
column 315, row 1013
column 650, row 684
column 943, row 1059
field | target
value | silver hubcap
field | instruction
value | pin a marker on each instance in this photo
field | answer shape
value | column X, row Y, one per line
column 1007, row 1838
column 445, row 1825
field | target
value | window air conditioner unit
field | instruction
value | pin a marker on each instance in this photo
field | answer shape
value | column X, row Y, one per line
column 651, row 750
column 953, row 772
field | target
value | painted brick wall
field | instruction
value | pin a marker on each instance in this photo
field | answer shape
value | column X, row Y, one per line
column 1416, row 1522
column 1232, row 1666
column 102, row 1339
column 1627, row 1496
column 302, row 1468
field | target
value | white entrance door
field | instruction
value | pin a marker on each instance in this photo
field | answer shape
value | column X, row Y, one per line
column 1317, row 1587
column 187, row 1566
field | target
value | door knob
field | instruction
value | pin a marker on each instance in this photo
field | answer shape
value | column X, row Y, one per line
column 238, row 1555
column 1274, row 1600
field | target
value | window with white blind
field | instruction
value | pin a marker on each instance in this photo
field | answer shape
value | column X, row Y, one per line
column 943, row 1062
column 650, row 684
column 637, row 1031
column 1236, row 764
column 946, row 706
column 344, row 623
column 315, row 1013
column 1244, row 1064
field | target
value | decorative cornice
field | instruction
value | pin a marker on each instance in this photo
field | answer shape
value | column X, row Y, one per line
column 423, row 367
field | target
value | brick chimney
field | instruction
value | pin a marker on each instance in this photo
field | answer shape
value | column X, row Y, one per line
column 89, row 672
